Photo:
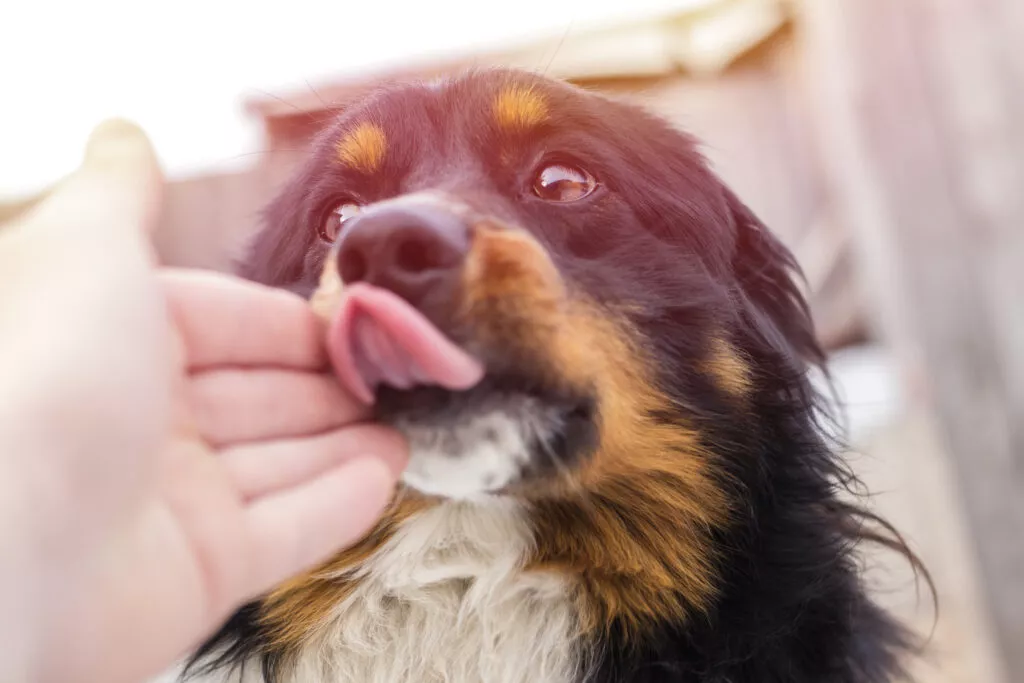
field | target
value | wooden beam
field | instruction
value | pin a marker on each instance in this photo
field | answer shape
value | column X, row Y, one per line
column 921, row 119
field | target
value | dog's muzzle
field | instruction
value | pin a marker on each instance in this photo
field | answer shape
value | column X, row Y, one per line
column 431, row 315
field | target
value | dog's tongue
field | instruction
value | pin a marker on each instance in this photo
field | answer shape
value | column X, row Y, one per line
column 377, row 338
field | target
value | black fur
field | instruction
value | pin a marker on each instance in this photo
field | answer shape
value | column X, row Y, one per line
column 666, row 236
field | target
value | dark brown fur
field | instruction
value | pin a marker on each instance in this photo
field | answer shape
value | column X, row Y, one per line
column 695, row 503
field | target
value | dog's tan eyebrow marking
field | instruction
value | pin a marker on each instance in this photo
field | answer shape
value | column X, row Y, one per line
column 517, row 108
column 363, row 148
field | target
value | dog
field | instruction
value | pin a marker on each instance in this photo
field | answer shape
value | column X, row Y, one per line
column 600, row 358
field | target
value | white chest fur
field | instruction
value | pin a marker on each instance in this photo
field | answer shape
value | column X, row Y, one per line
column 445, row 601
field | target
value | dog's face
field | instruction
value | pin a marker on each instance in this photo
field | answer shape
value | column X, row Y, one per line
column 578, row 249
column 578, row 326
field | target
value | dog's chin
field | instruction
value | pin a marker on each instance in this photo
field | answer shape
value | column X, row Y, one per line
column 486, row 442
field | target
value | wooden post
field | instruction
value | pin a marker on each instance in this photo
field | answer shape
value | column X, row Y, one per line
column 921, row 118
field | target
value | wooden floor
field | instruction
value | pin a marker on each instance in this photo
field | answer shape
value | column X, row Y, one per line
column 905, row 466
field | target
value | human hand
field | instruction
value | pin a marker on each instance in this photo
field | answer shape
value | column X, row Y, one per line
column 171, row 444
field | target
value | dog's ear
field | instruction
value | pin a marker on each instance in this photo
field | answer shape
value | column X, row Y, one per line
column 768, row 276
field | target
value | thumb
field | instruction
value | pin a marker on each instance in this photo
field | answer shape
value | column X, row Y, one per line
column 117, row 188
column 82, row 255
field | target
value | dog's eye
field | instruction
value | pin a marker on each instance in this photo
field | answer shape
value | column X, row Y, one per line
column 331, row 226
column 561, row 183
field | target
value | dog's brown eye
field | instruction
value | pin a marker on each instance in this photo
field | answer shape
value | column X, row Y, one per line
column 331, row 226
column 559, row 183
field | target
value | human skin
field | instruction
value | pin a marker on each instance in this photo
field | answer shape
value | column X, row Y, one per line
column 172, row 443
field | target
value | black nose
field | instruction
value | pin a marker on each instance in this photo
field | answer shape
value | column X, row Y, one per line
column 409, row 250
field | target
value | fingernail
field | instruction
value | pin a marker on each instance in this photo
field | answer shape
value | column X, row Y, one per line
column 115, row 140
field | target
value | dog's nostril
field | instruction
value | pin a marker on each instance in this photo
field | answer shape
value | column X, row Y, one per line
column 420, row 250
column 416, row 256
column 352, row 266
column 408, row 250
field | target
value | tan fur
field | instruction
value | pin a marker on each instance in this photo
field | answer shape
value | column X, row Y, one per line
column 728, row 368
column 363, row 148
column 627, row 532
column 658, row 475
column 519, row 108
column 297, row 608
column 327, row 297
column 445, row 600
column 432, row 596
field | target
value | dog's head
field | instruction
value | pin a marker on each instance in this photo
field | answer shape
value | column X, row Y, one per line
column 611, row 286
column 559, row 303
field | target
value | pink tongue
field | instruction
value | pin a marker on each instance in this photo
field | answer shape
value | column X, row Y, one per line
column 378, row 338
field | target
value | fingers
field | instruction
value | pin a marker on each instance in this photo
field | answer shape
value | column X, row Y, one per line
column 300, row 527
column 265, row 468
column 240, row 406
column 87, row 239
column 115, row 191
column 228, row 321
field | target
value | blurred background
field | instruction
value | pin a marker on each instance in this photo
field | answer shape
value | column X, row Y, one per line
column 883, row 140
